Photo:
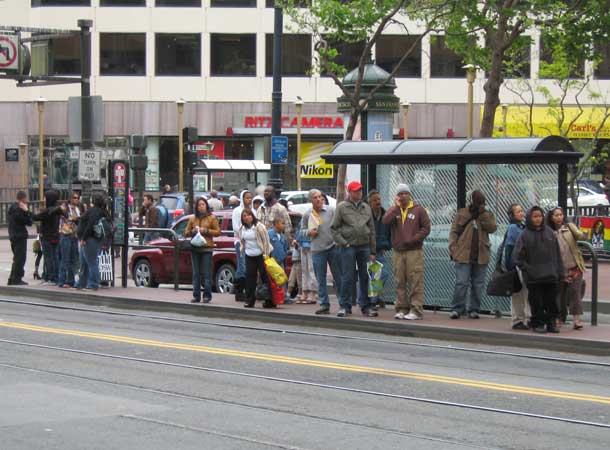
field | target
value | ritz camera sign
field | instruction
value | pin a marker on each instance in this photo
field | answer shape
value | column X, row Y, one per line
column 89, row 165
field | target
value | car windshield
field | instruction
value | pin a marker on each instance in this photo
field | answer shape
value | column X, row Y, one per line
column 169, row 202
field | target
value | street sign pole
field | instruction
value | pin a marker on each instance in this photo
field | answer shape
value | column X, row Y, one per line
column 276, row 95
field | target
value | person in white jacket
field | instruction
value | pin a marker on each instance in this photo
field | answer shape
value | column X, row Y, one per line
column 245, row 202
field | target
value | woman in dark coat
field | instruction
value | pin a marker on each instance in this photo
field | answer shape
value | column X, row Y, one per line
column 538, row 256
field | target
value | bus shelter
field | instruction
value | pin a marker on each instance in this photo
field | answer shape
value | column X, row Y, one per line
column 441, row 174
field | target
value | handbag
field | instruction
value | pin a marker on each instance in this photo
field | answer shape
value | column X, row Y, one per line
column 503, row 283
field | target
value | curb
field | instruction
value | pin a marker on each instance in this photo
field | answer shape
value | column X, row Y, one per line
column 602, row 307
column 554, row 343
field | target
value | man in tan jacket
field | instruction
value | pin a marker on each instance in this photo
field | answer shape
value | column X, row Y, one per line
column 469, row 248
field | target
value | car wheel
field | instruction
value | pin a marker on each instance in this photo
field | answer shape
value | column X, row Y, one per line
column 225, row 277
column 143, row 274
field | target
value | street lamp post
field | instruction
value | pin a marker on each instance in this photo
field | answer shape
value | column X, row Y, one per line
column 504, row 114
column 298, row 104
column 180, row 104
column 471, row 74
column 405, row 118
column 40, row 102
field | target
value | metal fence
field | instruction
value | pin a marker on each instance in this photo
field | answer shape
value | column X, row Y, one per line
column 434, row 187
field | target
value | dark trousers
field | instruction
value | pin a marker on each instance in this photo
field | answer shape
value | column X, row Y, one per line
column 543, row 303
column 202, row 268
column 254, row 266
column 19, row 248
column 50, row 251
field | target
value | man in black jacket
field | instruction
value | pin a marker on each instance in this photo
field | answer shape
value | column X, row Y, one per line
column 49, row 233
column 19, row 217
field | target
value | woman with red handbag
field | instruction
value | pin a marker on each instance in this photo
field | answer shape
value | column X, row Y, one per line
column 571, row 287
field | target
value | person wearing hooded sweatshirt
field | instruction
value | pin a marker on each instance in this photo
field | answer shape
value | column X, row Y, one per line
column 519, row 306
column 90, row 245
column 19, row 217
column 469, row 248
column 49, row 234
column 239, row 286
column 410, row 225
column 538, row 256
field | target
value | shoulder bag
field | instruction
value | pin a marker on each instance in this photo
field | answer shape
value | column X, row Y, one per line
column 503, row 283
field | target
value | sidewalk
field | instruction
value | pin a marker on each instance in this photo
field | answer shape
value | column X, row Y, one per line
column 437, row 325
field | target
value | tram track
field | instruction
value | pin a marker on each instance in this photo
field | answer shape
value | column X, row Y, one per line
column 338, row 388
column 314, row 334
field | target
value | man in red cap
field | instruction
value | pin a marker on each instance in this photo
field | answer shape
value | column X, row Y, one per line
column 353, row 230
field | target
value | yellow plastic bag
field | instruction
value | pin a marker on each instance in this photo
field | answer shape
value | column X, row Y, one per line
column 275, row 271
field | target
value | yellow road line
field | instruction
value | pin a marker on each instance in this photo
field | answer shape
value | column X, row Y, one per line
column 315, row 363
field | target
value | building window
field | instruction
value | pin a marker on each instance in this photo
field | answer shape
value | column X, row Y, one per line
column 348, row 54
column 60, row 3
column 233, row 55
column 296, row 55
column 390, row 49
column 178, row 54
column 233, row 3
column 122, row 54
column 297, row 3
column 549, row 52
column 444, row 62
column 122, row 2
column 179, row 3
column 602, row 71
column 59, row 56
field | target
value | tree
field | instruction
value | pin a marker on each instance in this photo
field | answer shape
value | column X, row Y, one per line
column 500, row 27
column 333, row 22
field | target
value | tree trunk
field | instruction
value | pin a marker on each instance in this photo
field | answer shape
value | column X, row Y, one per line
column 492, row 95
column 342, row 168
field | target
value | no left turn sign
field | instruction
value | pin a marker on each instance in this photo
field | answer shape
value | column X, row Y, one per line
column 8, row 52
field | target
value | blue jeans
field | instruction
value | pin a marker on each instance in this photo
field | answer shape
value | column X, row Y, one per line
column 67, row 246
column 322, row 260
column 51, row 259
column 354, row 256
column 468, row 275
column 240, row 271
column 89, row 276
column 202, row 264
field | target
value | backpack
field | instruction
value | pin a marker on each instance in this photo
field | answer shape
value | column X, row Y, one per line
column 102, row 229
column 163, row 216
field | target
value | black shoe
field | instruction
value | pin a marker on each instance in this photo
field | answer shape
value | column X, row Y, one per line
column 249, row 305
column 323, row 310
column 269, row 305
column 195, row 300
column 552, row 329
column 21, row 283
column 10, row 283
column 520, row 326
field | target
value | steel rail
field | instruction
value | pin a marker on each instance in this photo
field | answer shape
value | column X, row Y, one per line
column 317, row 385
column 314, row 334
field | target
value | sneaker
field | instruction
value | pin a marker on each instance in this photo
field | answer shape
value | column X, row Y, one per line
column 552, row 329
column 195, row 300
column 454, row 315
column 473, row 315
column 540, row 329
column 412, row 316
column 323, row 310
column 399, row 315
column 369, row 313
column 207, row 300
column 342, row 313
column 520, row 326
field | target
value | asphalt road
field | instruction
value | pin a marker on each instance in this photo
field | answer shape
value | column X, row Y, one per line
column 116, row 382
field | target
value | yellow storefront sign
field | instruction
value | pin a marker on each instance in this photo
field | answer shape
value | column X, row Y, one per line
column 545, row 122
column 312, row 165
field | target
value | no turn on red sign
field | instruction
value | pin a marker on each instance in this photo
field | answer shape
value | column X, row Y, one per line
column 9, row 52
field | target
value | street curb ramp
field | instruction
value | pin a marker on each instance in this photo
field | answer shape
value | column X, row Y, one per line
column 402, row 328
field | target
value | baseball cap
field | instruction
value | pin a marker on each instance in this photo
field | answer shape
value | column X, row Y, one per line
column 354, row 186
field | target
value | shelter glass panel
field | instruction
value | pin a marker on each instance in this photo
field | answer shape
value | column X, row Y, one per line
column 61, row 3
column 193, row 3
column 233, row 3
column 503, row 185
column 390, row 49
column 444, row 62
column 122, row 2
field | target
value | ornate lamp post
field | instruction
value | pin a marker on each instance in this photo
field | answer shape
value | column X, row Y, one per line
column 504, row 115
column 471, row 74
column 180, row 104
column 405, row 118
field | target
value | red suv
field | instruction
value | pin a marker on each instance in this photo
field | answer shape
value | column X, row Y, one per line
column 153, row 266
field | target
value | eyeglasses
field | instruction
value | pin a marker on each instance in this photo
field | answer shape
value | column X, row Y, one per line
column 75, row 198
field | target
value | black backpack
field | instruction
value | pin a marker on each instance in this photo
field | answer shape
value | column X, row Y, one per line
column 103, row 229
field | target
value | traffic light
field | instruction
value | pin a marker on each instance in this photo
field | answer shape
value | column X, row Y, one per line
column 190, row 159
column 138, row 162
column 189, row 135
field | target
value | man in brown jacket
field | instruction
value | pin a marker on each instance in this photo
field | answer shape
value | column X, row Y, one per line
column 410, row 225
column 469, row 248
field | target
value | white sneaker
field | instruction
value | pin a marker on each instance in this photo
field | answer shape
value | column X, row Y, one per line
column 412, row 316
column 399, row 315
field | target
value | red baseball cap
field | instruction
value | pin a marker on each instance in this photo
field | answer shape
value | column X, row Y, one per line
column 354, row 186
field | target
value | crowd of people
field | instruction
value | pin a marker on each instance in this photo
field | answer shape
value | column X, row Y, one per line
column 70, row 238
column 542, row 252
